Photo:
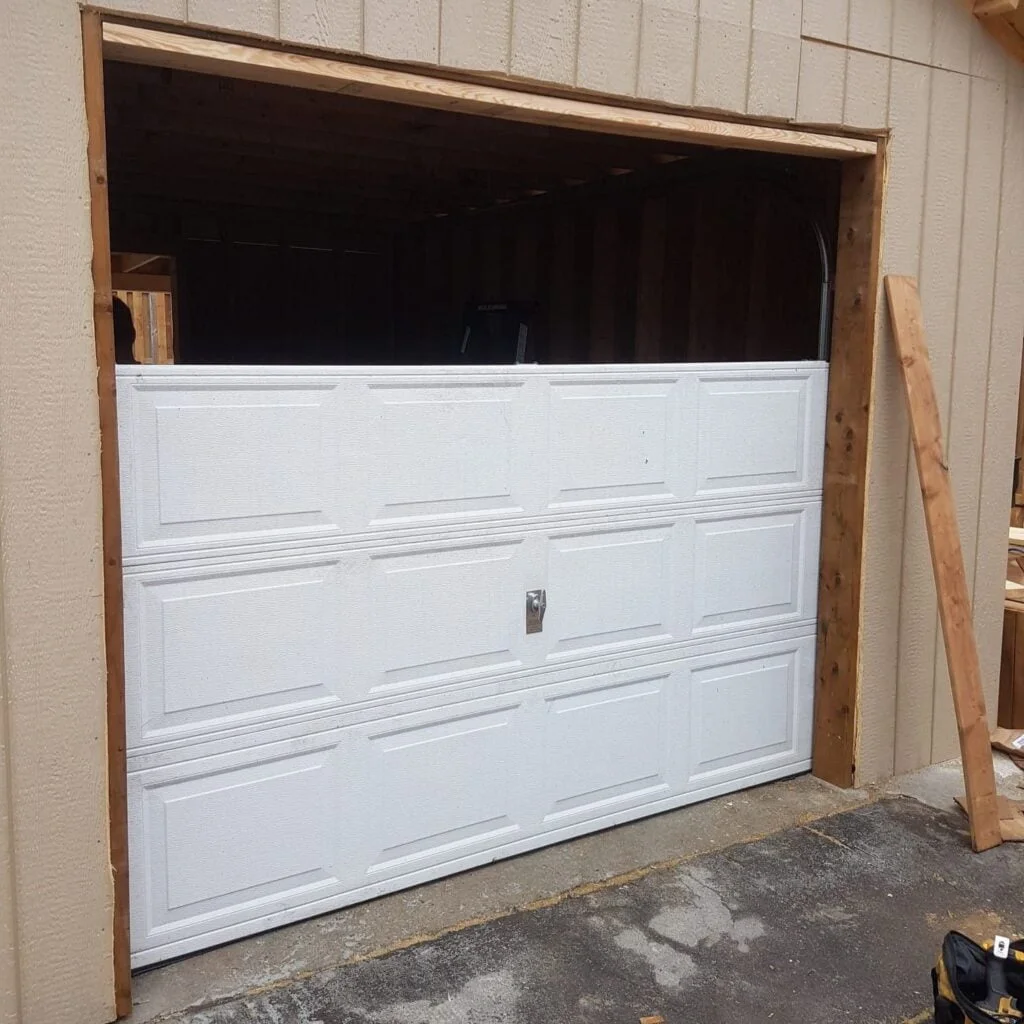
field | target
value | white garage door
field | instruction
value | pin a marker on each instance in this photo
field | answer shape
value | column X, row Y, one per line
column 332, row 691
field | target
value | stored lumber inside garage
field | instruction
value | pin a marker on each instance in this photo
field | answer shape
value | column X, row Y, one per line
column 309, row 227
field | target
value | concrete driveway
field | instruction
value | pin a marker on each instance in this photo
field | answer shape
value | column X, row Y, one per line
column 833, row 920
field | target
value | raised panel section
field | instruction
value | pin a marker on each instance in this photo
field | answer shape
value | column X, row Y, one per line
column 212, row 465
column 220, row 646
column 231, row 837
column 754, row 569
column 206, row 452
column 605, row 748
column 444, row 452
column 444, row 615
column 612, row 442
column 745, row 711
column 610, row 589
column 442, row 785
column 758, row 434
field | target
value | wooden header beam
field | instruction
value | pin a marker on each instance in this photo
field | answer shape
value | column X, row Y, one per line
column 138, row 45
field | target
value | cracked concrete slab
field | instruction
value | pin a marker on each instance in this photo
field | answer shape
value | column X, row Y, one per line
column 839, row 920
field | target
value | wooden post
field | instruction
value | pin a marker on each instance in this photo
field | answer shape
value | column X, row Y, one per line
column 846, row 463
column 947, row 562
column 113, row 604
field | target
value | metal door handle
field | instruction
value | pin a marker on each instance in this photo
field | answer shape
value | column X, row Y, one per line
column 536, row 605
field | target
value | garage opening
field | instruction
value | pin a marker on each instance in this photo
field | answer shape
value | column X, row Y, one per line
column 313, row 228
column 472, row 501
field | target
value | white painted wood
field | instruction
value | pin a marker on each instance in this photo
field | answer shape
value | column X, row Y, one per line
column 326, row 656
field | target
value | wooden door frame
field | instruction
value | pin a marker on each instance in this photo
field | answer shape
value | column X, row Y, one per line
column 852, row 354
column 110, row 488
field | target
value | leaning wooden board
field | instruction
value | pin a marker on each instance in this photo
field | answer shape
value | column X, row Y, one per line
column 947, row 562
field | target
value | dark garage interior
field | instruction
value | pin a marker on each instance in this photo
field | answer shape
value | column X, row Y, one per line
column 313, row 228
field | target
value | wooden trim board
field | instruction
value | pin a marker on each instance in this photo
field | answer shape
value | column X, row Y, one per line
column 947, row 561
column 845, row 478
column 113, row 600
column 136, row 44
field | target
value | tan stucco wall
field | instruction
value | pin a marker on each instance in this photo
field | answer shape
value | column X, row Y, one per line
column 954, row 216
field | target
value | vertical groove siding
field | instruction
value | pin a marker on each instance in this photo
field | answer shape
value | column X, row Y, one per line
column 475, row 34
column 609, row 46
column 544, row 39
column 970, row 379
column 668, row 51
column 954, row 214
column 955, row 104
column 950, row 95
column 945, row 163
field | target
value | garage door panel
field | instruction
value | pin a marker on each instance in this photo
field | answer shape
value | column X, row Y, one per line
column 255, row 461
column 409, row 796
column 746, row 710
column 755, row 569
column 226, row 838
column 220, row 463
column 613, row 441
column 758, row 434
column 213, row 647
column 612, row 589
column 445, row 615
column 460, row 451
column 453, row 775
column 606, row 746
column 331, row 692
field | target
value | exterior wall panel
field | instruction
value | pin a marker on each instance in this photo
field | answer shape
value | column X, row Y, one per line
column 668, row 51
column 334, row 24
column 939, row 276
column 609, row 46
column 544, row 35
column 904, row 205
column 822, row 83
column 407, row 30
column 722, row 54
column 476, row 34
column 255, row 17
column 969, row 384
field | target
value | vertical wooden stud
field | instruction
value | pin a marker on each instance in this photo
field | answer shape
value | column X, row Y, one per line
column 845, row 476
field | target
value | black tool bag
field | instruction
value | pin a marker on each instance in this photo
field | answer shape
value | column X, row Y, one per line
column 974, row 986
